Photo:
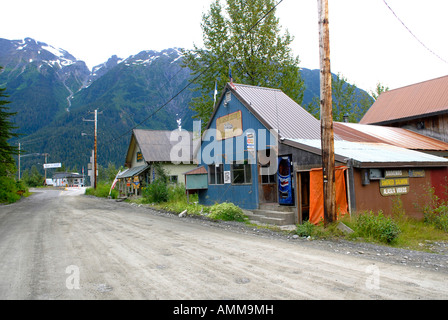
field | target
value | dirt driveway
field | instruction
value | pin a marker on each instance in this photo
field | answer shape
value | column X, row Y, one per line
column 58, row 244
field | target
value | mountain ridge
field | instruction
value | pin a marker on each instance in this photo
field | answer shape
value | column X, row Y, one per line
column 53, row 92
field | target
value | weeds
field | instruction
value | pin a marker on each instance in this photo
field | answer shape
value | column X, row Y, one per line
column 156, row 192
column 376, row 227
column 102, row 191
column 435, row 211
column 227, row 211
column 306, row 229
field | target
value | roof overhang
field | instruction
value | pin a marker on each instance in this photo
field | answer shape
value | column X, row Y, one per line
column 388, row 156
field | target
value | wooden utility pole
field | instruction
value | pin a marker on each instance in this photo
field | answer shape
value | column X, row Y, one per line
column 95, row 159
column 326, row 115
column 19, row 160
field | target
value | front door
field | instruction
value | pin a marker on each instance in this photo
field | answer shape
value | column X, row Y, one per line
column 267, row 186
column 303, row 196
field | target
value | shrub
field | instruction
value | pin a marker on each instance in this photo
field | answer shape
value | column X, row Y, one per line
column 377, row 227
column 438, row 217
column 306, row 229
column 8, row 190
column 156, row 192
column 177, row 192
column 227, row 211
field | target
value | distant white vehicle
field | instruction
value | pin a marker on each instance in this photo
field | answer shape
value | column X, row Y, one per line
column 49, row 182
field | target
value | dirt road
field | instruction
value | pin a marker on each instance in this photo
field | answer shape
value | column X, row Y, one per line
column 62, row 245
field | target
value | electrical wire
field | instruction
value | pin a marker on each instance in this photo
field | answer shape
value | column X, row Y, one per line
column 200, row 74
column 404, row 25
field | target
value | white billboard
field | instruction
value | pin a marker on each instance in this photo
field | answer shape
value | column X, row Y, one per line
column 52, row 165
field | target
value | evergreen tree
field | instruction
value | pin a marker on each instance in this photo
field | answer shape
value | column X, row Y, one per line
column 8, row 186
column 7, row 163
column 255, row 52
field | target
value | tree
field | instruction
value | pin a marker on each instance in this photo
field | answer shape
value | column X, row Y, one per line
column 348, row 100
column 253, row 50
column 7, row 163
column 378, row 90
column 8, row 185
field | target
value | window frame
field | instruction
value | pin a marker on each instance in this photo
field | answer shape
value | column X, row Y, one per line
column 246, row 170
column 216, row 174
column 269, row 176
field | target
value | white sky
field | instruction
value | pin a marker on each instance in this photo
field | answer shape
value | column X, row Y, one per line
column 368, row 44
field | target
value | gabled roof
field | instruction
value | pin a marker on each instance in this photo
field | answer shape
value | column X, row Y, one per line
column 411, row 102
column 275, row 110
column 399, row 137
column 156, row 146
column 198, row 170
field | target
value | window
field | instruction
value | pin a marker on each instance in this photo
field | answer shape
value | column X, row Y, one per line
column 173, row 179
column 268, row 179
column 216, row 174
column 241, row 173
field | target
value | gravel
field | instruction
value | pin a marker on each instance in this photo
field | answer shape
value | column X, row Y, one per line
column 435, row 261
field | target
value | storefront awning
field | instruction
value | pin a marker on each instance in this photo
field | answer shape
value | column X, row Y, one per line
column 132, row 172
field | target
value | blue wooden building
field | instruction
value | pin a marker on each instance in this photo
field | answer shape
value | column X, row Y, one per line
column 239, row 148
column 261, row 151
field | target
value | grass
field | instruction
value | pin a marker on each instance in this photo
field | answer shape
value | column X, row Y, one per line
column 414, row 234
column 397, row 231
column 418, row 235
column 102, row 191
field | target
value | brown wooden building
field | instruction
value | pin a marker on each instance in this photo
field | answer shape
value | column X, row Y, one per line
column 421, row 107
column 372, row 176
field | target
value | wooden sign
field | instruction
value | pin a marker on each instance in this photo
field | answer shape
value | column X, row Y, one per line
column 394, row 186
column 394, row 182
column 230, row 125
column 139, row 156
column 394, row 191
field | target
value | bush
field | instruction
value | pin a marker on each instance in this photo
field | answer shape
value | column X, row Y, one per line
column 227, row 211
column 377, row 227
column 102, row 191
column 306, row 229
column 8, row 190
column 177, row 192
column 438, row 217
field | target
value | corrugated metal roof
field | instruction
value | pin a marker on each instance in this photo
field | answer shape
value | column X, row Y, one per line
column 424, row 98
column 378, row 153
column 155, row 145
column 199, row 170
column 132, row 172
column 278, row 111
column 399, row 137
column 62, row 175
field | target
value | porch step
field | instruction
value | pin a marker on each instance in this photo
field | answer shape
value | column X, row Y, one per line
column 279, row 218
column 275, row 207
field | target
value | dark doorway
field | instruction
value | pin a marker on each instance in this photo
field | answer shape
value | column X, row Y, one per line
column 303, row 196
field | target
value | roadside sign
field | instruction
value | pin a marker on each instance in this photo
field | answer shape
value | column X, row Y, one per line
column 52, row 165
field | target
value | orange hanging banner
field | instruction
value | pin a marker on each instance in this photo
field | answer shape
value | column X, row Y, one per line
column 317, row 194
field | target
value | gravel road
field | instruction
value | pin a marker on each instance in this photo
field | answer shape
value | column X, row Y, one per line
column 60, row 244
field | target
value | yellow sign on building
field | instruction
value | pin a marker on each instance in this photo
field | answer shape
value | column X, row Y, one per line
column 230, row 125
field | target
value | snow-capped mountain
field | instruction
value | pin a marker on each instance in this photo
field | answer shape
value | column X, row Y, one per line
column 18, row 54
column 52, row 91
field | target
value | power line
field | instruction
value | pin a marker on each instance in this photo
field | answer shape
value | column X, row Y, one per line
column 200, row 74
column 404, row 25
